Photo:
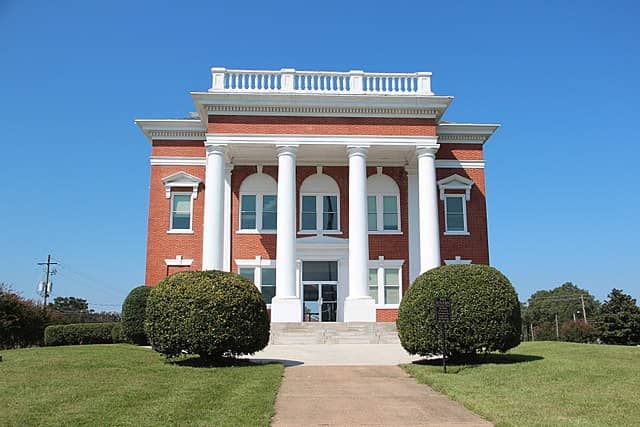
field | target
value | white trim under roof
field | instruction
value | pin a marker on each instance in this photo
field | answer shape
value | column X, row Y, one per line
column 172, row 129
column 465, row 133
column 344, row 140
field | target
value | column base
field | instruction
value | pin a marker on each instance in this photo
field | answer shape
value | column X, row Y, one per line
column 359, row 309
column 286, row 309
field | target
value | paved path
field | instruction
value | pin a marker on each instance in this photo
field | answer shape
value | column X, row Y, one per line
column 335, row 354
column 363, row 396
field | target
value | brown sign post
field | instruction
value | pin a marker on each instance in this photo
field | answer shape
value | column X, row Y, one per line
column 443, row 316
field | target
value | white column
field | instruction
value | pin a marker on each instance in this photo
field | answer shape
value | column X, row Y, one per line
column 414, row 218
column 213, row 227
column 359, row 306
column 226, row 258
column 286, row 306
column 428, row 208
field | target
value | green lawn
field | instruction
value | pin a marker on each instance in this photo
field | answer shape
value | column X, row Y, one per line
column 547, row 383
column 123, row 385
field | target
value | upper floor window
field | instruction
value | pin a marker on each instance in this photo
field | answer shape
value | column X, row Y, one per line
column 258, row 203
column 383, row 203
column 319, row 204
column 455, row 204
column 181, row 202
column 181, row 211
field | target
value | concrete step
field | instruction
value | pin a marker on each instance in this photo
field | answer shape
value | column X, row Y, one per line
column 333, row 333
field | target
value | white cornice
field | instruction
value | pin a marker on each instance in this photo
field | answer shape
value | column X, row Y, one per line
column 325, row 105
column 342, row 140
column 465, row 133
column 173, row 129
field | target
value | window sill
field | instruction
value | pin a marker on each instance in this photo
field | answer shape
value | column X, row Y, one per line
column 256, row 232
column 180, row 232
column 456, row 233
column 319, row 232
column 388, row 306
column 392, row 232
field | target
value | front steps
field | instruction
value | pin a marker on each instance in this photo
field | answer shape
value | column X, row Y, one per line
column 333, row 333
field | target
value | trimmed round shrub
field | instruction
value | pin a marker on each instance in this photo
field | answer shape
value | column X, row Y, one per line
column 485, row 312
column 133, row 315
column 209, row 313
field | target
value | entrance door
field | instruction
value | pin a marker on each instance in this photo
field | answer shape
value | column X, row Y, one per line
column 320, row 291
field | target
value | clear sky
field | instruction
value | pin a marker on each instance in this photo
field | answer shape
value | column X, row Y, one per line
column 563, row 79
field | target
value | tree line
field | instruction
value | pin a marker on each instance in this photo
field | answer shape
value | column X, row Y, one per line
column 570, row 313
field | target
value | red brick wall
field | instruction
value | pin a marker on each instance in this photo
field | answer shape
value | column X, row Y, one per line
column 321, row 125
column 160, row 244
column 475, row 246
column 178, row 148
column 386, row 314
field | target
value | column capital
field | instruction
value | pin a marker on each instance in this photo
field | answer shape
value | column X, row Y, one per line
column 427, row 150
column 290, row 149
column 220, row 149
column 357, row 150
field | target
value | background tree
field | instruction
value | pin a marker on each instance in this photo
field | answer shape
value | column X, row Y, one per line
column 70, row 305
column 619, row 321
column 564, row 301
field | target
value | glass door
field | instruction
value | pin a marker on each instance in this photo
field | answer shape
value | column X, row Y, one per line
column 320, row 291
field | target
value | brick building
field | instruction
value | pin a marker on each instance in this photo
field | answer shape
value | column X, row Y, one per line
column 331, row 191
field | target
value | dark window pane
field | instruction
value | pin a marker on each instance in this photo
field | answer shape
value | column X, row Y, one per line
column 319, row 271
column 269, row 203
column 390, row 221
column 330, row 221
column 248, row 220
column 455, row 222
column 454, row 204
column 268, row 292
column 181, row 222
column 330, row 204
column 248, row 203
column 311, row 292
column 390, row 204
column 247, row 273
column 372, row 219
column 308, row 221
column 308, row 203
column 329, row 293
column 269, row 220
column 268, row 277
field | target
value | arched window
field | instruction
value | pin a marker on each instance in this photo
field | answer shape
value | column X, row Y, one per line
column 383, row 204
column 319, row 204
column 258, row 204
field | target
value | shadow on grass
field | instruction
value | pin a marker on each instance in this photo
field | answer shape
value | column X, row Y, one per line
column 481, row 359
column 194, row 361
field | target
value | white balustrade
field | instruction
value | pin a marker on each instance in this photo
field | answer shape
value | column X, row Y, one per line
column 321, row 82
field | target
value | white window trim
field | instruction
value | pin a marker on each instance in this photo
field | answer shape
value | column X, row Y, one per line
column 258, row 229
column 181, row 179
column 178, row 261
column 257, row 264
column 319, row 214
column 448, row 232
column 380, row 213
column 181, row 230
column 381, row 264
column 457, row 260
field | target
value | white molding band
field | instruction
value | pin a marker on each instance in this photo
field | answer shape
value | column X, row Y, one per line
column 178, row 261
column 460, row 164
column 177, row 161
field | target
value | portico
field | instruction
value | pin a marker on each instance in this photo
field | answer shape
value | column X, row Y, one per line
column 330, row 191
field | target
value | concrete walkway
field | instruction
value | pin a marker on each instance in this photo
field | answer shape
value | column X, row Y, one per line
column 335, row 354
column 363, row 396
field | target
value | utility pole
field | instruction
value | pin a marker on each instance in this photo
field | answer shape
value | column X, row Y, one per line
column 557, row 331
column 46, row 282
column 584, row 312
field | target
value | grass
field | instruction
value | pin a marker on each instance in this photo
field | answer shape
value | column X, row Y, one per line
column 546, row 384
column 122, row 385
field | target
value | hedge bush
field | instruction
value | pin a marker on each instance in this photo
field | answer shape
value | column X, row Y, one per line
column 133, row 315
column 485, row 311
column 79, row 333
column 209, row 313
column 116, row 333
column 22, row 322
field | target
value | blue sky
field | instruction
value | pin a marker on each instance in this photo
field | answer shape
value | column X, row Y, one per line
column 561, row 78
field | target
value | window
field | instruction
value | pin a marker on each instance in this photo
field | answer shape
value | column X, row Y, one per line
column 180, row 211
column 455, row 213
column 455, row 205
column 383, row 204
column 385, row 282
column 319, row 204
column 264, row 278
column 248, row 212
column 373, row 284
column 258, row 204
column 391, row 286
